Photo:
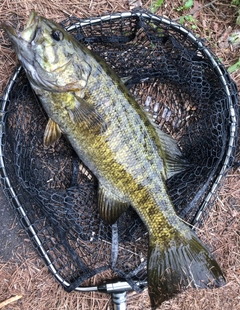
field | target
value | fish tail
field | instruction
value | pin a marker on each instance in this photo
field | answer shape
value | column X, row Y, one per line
column 181, row 263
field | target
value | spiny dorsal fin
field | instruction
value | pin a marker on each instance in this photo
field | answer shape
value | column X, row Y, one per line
column 52, row 133
column 85, row 113
column 111, row 204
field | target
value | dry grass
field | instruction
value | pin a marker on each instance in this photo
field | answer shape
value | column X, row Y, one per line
column 28, row 277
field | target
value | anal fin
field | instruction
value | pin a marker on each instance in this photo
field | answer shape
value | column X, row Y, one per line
column 111, row 204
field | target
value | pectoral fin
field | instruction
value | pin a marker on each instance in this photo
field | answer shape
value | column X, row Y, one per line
column 111, row 205
column 85, row 113
column 52, row 133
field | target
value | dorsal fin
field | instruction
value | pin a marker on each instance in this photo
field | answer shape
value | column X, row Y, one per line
column 174, row 160
column 167, row 148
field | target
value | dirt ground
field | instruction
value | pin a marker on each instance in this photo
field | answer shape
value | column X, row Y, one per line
column 22, row 272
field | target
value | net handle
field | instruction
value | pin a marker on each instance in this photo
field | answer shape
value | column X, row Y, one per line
column 119, row 301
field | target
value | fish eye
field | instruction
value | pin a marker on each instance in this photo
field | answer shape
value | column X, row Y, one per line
column 57, row 35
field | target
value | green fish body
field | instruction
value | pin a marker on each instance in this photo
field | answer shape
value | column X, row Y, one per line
column 128, row 154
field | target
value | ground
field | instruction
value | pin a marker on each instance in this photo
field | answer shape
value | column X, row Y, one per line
column 23, row 273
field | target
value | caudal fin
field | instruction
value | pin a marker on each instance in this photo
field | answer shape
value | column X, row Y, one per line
column 182, row 263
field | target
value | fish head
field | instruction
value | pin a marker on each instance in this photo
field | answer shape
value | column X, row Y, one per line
column 48, row 54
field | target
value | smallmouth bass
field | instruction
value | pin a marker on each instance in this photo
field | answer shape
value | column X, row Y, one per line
column 115, row 139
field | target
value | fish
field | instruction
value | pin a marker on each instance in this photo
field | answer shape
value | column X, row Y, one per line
column 131, row 157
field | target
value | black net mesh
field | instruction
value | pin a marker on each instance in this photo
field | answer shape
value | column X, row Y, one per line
column 189, row 94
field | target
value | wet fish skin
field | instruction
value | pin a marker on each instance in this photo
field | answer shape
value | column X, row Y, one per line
column 129, row 155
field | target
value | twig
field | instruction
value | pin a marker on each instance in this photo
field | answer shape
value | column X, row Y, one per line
column 10, row 300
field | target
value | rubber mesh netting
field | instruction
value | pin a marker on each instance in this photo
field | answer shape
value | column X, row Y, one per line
column 190, row 96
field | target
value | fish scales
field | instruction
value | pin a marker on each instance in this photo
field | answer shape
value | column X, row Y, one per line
column 131, row 171
column 131, row 158
column 136, row 174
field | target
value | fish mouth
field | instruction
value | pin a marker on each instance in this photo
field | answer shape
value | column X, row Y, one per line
column 29, row 32
column 12, row 33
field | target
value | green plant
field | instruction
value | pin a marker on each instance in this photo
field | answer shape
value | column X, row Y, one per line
column 234, row 67
column 190, row 19
column 156, row 5
column 186, row 5
column 237, row 3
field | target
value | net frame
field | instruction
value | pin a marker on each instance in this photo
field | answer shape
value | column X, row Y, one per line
column 229, row 89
